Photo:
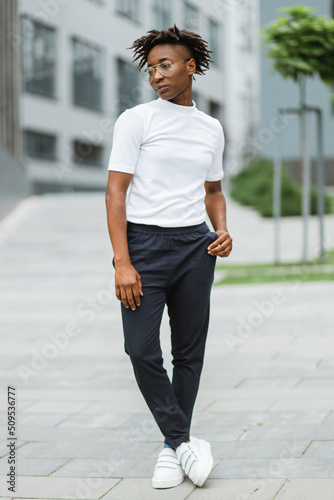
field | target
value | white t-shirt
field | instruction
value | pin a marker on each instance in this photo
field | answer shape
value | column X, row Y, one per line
column 171, row 150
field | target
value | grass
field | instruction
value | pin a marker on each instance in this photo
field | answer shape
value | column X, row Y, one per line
column 270, row 273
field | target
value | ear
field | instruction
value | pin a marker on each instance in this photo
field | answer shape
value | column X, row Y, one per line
column 192, row 68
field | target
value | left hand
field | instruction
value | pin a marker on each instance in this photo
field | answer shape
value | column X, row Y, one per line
column 222, row 246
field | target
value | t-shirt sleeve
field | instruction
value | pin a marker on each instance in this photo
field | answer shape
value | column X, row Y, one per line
column 215, row 172
column 127, row 138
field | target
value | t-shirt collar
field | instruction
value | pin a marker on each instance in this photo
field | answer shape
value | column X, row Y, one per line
column 176, row 107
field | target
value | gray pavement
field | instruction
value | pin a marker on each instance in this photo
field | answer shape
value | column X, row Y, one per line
column 83, row 430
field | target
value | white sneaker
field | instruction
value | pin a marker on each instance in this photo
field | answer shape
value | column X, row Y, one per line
column 168, row 471
column 195, row 459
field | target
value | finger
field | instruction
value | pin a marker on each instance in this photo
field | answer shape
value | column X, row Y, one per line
column 222, row 249
column 224, row 245
column 124, row 298
column 140, row 286
column 214, row 244
column 214, row 250
column 136, row 296
column 118, row 293
column 226, row 252
column 129, row 295
column 138, row 290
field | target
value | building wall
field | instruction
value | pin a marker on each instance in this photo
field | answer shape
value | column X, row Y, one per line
column 13, row 185
column 10, row 130
column 227, row 89
column 277, row 92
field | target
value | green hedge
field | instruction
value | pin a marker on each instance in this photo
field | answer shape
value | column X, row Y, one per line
column 253, row 186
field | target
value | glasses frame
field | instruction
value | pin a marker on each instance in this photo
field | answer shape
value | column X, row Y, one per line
column 146, row 77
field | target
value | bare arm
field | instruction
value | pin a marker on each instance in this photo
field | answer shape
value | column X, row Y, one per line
column 216, row 209
column 128, row 287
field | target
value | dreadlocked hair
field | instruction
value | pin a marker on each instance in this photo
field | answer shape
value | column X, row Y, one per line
column 194, row 42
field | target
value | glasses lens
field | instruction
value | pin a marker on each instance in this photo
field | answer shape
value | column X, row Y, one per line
column 145, row 76
column 165, row 69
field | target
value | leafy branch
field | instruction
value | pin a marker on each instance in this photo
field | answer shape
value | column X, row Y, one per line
column 301, row 44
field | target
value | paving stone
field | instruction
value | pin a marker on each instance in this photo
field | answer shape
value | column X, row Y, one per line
column 247, row 418
column 317, row 382
column 330, row 419
column 4, row 448
column 258, row 449
column 228, row 489
column 291, row 431
column 269, row 382
column 217, row 432
column 321, row 449
column 56, row 406
column 115, row 466
column 103, row 420
column 123, row 404
column 303, row 404
column 241, row 405
column 30, row 466
column 273, row 468
column 141, row 489
column 307, row 489
column 90, row 449
column 58, row 487
column 42, row 419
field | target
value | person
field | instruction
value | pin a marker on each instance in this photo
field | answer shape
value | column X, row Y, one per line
column 165, row 170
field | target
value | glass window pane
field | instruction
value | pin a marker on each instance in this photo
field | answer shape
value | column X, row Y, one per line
column 129, row 88
column 161, row 14
column 191, row 17
column 128, row 8
column 87, row 154
column 38, row 57
column 87, row 75
column 39, row 145
column 214, row 41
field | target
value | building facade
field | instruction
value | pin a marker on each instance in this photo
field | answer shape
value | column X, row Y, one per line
column 10, row 129
column 78, row 76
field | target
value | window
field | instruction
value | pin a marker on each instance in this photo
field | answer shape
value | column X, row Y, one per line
column 87, row 74
column 128, row 8
column 161, row 14
column 214, row 41
column 191, row 17
column 38, row 57
column 87, row 154
column 39, row 145
column 128, row 85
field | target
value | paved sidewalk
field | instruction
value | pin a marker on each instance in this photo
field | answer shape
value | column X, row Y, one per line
column 83, row 430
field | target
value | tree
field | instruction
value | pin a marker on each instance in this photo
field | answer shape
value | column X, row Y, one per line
column 302, row 44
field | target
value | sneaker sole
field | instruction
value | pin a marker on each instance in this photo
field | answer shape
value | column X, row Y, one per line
column 168, row 483
column 205, row 449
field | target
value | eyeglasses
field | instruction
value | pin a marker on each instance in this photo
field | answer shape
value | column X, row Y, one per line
column 166, row 68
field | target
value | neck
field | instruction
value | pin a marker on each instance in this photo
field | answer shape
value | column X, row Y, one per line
column 183, row 99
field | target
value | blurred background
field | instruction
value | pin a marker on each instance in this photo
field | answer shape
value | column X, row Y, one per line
column 66, row 75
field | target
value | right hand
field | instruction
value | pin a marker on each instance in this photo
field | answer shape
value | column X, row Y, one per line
column 128, row 285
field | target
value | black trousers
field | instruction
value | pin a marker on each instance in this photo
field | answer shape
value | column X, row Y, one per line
column 175, row 270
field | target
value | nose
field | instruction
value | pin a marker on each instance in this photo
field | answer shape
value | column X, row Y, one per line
column 155, row 77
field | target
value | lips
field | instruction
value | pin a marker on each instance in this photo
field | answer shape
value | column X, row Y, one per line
column 161, row 88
